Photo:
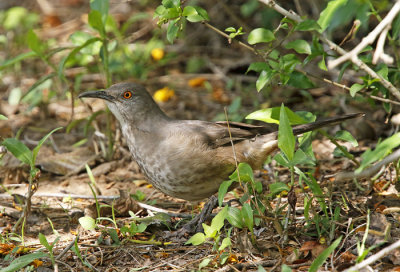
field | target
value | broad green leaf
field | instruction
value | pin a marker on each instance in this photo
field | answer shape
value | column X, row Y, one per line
column 225, row 243
column 271, row 115
column 234, row 217
column 300, row 46
column 15, row 96
column 43, row 241
column 95, row 21
column 195, row 14
column 172, row 31
column 141, row 227
column 286, row 139
column 243, row 173
column 102, row 6
column 18, row 58
column 3, row 118
column 223, row 189
column 14, row 17
column 319, row 261
column 208, row 231
column 307, row 25
column 204, row 263
column 196, row 239
column 327, row 14
column 264, row 78
column 19, row 150
column 278, row 187
column 300, row 158
column 23, row 261
column 260, row 35
column 380, row 151
column 87, row 222
column 171, row 3
column 281, row 159
column 35, row 151
column 247, row 214
column 34, row 43
column 355, row 88
column 258, row 67
column 346, row 136
column 218, row 221
column 299, row 80
column 383, row 71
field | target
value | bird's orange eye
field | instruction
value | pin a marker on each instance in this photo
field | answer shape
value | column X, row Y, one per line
column 127, row 95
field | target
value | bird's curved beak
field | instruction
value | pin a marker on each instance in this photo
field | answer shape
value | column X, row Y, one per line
column 97, row 94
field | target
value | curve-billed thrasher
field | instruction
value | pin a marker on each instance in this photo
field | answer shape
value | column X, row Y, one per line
column 188, row 159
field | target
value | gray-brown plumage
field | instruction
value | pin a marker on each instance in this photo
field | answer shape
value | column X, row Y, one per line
column 188, row 159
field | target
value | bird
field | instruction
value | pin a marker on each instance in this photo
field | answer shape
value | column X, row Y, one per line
column 189, row 159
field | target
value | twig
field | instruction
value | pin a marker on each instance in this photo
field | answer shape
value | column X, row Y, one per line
column 369, row 39
column 370, row 170
column 374, row 257
column 293, row 16
column 70, row 245
column 379, row 54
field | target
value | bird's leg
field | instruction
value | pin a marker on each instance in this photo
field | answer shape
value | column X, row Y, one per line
column 195, row 225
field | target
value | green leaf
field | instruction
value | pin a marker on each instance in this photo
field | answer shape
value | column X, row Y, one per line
column 223, row 189
column 243, row 173
column 260, row 35
column 95, row 21
column 171, row 3
column 355, row 88
column 380, row 151
column 271, row 115
column 102, row 6
column 278, row 187
column 195, row 14
column 141, row 227
column 247, row 214
column 19, row 150
column 196, row 239
column 322, row 64
column 307, row 25
column 35, row 151
column 18, row 58
column 87, row 222
column 34, row 43
column 204, row 263
column 225, row 243
column 258, row 67
column 319, row 261
column 299, row 80
column 44, row 242
column 346, row 136
column 328, row 13
column 15, row 96
column 23, row 261
column 383, row 71
column 286, row 139
column 172, row 31
column 396, row 27
column 3, row 118
column 286, row 268
column 234, row 217
column 264, row 78
column 300, row 157
column 218, row 221
column 300, row 46
column 230, row 29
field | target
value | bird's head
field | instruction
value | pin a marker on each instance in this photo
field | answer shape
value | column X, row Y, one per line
column 129, row 102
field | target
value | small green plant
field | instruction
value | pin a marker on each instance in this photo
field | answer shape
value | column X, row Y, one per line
column 49, row 247
column 214, row 233
column 25, row 155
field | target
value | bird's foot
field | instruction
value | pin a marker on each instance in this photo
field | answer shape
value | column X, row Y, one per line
column 195, row 225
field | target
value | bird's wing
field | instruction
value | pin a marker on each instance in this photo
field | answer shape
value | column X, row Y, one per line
column 219, row 134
